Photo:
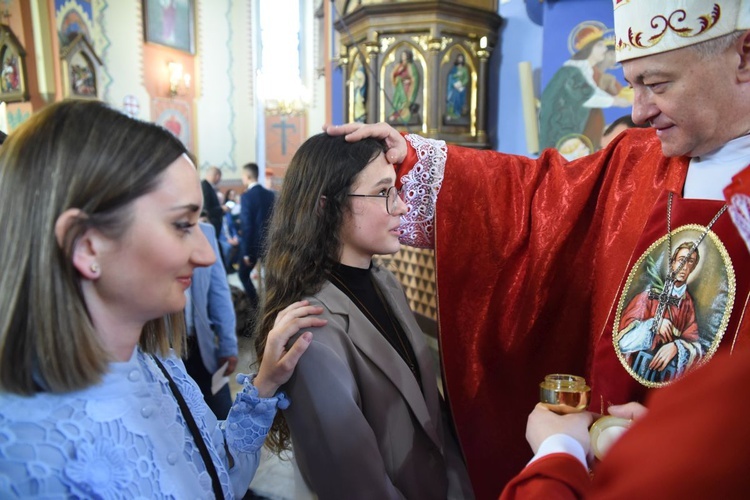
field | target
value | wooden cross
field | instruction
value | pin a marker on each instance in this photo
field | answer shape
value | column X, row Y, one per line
column 283, row 126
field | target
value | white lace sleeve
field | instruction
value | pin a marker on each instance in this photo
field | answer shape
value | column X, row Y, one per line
column 420, row 191
column 739, row 209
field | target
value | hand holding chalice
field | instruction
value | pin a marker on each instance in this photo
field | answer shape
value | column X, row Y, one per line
column 563, row 394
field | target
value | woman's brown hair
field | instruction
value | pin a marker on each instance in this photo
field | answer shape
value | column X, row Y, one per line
column 72, row 154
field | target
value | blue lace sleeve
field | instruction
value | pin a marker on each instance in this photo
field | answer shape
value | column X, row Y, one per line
column 251, row 416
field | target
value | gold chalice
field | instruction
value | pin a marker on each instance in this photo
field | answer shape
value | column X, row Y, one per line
column 563, row 393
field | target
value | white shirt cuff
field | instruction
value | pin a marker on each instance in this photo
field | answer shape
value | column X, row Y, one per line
column 561, row 443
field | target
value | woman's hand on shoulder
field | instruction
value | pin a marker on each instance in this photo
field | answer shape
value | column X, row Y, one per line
column 279, row 362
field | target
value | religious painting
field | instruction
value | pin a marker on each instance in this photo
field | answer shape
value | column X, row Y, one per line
column 13, row 64
column 169, row 23
column 358, row 91
column 458, row 92
column 82, row 82
column 403, row 73
column 675, row 306
column 574, row 146
column 583, row 89
column 175, row 116
column 80, row 68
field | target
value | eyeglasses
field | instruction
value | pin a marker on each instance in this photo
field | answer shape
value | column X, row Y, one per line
column 392, row 196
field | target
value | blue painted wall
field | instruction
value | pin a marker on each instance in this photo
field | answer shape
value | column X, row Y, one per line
column 520, row 40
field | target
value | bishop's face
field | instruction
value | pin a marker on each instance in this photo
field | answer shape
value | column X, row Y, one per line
column 690, row 100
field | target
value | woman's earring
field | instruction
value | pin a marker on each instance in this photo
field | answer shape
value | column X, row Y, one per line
column 94, row 268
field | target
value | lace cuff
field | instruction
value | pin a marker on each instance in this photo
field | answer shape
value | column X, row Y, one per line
column 251, row 416
column 420, row 188
column 739, row 209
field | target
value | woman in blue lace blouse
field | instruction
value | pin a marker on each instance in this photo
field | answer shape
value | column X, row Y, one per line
column 94, row 400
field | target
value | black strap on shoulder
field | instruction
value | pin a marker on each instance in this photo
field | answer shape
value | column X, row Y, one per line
column 188, row 416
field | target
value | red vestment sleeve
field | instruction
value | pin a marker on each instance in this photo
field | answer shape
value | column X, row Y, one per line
column 693, row 443
column 558, row 476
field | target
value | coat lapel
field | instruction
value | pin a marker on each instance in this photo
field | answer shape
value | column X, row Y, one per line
column 372, row 344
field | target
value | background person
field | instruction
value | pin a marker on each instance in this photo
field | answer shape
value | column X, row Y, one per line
column 256, row 207
column 211, row 329
column 620, row 124
column 211, row 203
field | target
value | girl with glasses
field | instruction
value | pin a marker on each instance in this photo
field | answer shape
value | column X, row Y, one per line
column 367, row 419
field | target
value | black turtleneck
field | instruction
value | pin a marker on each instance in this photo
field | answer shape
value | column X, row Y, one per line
column 358, row 285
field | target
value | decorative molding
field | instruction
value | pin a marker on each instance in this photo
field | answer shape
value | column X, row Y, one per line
column 230, row 94
column 100, row 6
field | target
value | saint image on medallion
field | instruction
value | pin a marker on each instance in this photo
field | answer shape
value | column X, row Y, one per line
column 674, row 311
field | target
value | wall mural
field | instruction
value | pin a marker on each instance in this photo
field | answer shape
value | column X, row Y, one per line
column 583, row 87
column 73, row 17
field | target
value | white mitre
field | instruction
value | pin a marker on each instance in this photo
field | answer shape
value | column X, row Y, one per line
column 645, row 27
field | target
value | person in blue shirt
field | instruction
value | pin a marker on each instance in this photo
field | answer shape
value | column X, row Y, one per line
column 94, row 399
column 211, row 329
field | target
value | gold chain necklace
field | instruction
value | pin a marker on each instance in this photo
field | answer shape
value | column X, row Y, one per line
column 370, row 316
column 665, row 297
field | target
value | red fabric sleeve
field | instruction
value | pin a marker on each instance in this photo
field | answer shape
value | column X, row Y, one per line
column 693, row 443
column 558, row 476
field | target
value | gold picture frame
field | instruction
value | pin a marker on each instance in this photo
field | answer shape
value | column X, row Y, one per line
column 13, row 86
column 80, row 69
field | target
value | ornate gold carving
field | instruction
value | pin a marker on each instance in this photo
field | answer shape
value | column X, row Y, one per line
column 422, row 41
column 471, row 45
column 431, row 44
column 386, row 42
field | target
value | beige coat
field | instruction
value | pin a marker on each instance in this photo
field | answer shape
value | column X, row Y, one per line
column 361, row 427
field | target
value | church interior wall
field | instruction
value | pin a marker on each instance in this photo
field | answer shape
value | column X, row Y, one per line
column 222, row 105
column 221, row 102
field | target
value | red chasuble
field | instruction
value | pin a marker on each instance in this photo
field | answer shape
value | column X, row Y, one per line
column 532, row 257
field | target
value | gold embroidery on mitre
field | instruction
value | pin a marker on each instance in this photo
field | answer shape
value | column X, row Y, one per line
column 674, row 22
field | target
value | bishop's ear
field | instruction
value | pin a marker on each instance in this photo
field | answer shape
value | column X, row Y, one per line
column 743, row 49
